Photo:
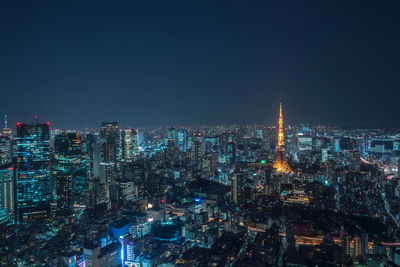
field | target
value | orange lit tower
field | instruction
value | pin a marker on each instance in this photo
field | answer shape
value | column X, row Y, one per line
column 281, row 164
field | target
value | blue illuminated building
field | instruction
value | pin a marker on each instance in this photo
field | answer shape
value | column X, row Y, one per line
column 167, row 231
column 70, row 170
column 182, row 139
column 7, row 188
column 33, row 190
column 120, row 231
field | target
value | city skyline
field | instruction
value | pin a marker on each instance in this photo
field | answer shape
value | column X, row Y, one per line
column 199, row 133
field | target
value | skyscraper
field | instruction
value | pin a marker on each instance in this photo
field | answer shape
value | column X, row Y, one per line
column 198, row 150
column 6, row 150
column 281, row 164
column 6, row 144
column 33, row 192
column 109, row 138
column 172, row 134
column 7, row 188
column 129, row 145
column 93, row 150
column 182, row 141
column 70, row 171
column 355, row 161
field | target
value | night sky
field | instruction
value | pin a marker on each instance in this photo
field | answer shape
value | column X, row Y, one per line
column 144, row 63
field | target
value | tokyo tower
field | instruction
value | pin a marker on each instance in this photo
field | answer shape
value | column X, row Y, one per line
column 281, row 164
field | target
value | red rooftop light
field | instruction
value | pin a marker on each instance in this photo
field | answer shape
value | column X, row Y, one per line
column 19, row 124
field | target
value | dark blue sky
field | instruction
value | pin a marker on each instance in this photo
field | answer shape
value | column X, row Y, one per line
column 144, row 63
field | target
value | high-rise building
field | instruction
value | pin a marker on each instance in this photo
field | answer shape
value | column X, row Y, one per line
column 6, row 150
column 198, row 150
column 232, row 152
column 171, row 147
column 33, row 189
column 6, row 144
column 7, row 188
column 172, row 134
column 109, row 138
column 355, row 161
column 70, row 171
column 93, row 150
column 182, row 139
column 281, row 164
column 129, row 145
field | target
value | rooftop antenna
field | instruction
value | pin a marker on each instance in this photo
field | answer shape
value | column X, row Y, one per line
column 37, row 119
column 5, row 120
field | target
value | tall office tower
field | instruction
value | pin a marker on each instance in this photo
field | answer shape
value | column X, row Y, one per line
column 70, row 171
column 171, row 134
column 182, row 139
column 198, row 149
column 355, row 161
column 135, row 146
column 33, row 189
column 365, row 143
column 93, row 150
column 281, row 164
column 7, row 188
column 171, row 147
column 6, row 150
column 232, row 152
column 129, row 145
column 6, row 144
column 109, row 138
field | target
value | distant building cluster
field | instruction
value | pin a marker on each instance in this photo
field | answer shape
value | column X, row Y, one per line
column 199, row 196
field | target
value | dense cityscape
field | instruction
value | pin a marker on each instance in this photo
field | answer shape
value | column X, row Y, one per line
column 212, row 133
column 260, row 195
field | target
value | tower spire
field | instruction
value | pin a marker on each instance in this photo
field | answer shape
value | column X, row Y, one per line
column 281, row 164
column 280, row 133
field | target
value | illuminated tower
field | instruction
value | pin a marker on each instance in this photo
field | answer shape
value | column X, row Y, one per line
column 6, row 131
column 129, row 145
column 281, row 164
column 33, row 190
